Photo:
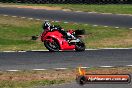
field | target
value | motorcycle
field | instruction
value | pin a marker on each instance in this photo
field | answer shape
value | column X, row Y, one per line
column 55, row 41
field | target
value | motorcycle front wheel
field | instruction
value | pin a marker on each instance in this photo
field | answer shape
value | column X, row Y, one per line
column 52, row 46
column 80, row 46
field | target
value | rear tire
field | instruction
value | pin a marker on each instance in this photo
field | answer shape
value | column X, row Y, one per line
column 80, row 46
column 54, row 46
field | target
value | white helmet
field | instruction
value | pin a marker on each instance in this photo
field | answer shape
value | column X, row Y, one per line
column 46, row 25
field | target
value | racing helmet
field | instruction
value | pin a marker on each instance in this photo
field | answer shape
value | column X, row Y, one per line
column 46, row 25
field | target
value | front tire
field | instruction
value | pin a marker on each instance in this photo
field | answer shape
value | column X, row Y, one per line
column 80, row 46
column 52, row 46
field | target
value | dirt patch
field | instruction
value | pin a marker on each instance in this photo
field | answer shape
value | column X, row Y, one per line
column 40, row 7
column 33, row 7
column 38, row 75
column 119, row 70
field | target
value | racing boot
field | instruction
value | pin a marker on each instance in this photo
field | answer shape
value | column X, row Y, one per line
column 70, row 37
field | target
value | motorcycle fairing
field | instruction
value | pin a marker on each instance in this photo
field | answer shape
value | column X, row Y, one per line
column 64, row 45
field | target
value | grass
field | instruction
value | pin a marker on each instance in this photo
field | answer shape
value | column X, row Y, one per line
column 106, row 8
column 15, row 34
column 30, row 79
column 27, row 84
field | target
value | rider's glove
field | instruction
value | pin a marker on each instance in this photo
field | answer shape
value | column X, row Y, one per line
column 52, row 28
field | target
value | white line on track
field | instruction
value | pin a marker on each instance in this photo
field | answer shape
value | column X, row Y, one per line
column 64, row 68
column 3, row 6
column 60, row 68
column 125, row 14
column 85, row 67
column 19, row 7
column 57, row 21
column 78, row 11
column 66, row 10
column 9, row 51
column 40, row 50
column 122, row 14
column 105, row 26
column 85, row 49
column 95, row 25
column 91, row 49
column 30, row 18
column 12, row 70
column 22, row 51
column 129, row 15
column 35, row 8
column 65, row 22
column 116, row 27
column 106, row 66
column 129, row 65
column 92, row 12
column 23, row 17
column 130, row 28
column 39, row 69
column 14, row 16
column 5, row 15
column 38, row 19
column 46, row 20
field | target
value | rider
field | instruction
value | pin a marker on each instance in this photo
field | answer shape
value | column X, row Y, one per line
column 48, row 26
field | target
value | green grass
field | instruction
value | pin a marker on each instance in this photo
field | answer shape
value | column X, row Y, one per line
column 15, row 34
column 28, row 84
column 31, row 79
column 106, row 8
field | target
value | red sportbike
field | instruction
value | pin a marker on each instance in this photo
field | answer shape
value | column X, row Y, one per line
column 55, row 41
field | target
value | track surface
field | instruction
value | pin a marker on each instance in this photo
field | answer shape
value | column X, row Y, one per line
column 80, row 17
column 47, row 60
column 74, row 85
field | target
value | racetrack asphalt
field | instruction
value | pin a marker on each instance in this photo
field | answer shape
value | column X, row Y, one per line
column 68, row 59
column 79, row 17
column 75, row 85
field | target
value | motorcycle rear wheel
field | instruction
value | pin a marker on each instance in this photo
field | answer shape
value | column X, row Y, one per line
column 54, row 46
